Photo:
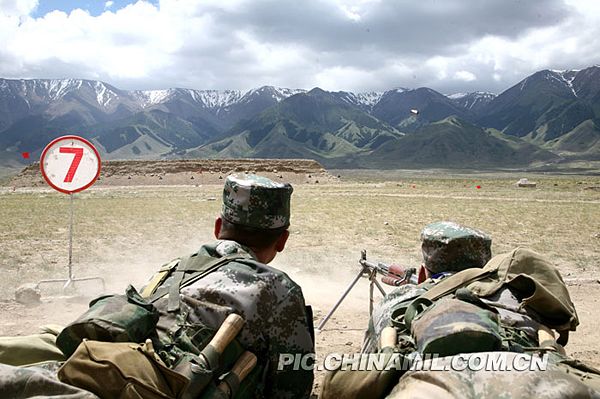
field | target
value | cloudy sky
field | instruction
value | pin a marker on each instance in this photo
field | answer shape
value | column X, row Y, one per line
column 355, row 45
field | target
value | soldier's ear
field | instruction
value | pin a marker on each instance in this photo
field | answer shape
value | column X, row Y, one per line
column 218, row 225
column 280, row 243
column 423, row 275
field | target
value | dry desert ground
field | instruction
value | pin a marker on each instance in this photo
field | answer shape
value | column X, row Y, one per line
column 124, row 231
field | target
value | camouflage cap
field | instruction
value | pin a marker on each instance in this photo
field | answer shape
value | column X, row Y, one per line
column 450, row 247
column 256, row 202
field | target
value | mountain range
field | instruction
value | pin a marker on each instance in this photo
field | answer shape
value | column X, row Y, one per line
column 549, row 118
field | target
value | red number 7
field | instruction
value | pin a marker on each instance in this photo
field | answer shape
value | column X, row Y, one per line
column 78, row 152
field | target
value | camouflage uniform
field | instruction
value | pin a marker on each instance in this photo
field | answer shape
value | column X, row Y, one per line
column 18, row 382
column 271, row 304
column 554, row 383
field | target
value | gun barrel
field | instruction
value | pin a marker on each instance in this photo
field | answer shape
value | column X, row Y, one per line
column 394, row 271
column 380, row 267
column 392, row 274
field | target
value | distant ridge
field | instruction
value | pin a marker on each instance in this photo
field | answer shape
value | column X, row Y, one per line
column 549, row 118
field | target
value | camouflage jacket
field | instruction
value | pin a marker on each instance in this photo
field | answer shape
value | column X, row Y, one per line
column 271, row 304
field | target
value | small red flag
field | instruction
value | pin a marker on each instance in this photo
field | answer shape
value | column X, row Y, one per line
column 478, row 187
column 25, row 155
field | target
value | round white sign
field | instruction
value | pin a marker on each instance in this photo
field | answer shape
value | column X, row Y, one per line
column 70, row 164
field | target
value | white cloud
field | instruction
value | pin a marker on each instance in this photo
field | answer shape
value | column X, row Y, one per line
column 438, row 67
column 570, row 44
column 335, row 44
column 132, row 43
column 465, row 76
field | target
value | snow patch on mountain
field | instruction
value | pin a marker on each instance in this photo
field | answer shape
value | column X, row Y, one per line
column 148, row 98
column 57, row 88
column 369, row 98
column 567, row 76
column 52, row 90
column 457, row 96
column 277, row 93
column 215, row 98
column 564, row 71
column 104, row 95
column 212, row 99
column 471, row 100
column 560, row 77
column 366, row 99
column 523, row 83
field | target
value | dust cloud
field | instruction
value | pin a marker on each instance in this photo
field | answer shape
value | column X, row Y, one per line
column 137, row 263
column 325, row 275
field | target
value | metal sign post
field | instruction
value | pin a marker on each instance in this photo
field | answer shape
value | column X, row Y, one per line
column 71, row 236
column 70, row 164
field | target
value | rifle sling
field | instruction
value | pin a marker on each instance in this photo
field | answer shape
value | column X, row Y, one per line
column 189, row 270
column 456, row 281
column 159, row 278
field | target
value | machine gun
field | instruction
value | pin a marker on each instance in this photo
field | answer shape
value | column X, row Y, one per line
column 393, row 275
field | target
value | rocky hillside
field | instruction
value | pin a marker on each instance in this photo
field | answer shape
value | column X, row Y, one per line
column 552, row 116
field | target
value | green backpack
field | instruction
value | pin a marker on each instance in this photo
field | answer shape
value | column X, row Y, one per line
column 132, row 318
column 111, row 318
column 453, row 325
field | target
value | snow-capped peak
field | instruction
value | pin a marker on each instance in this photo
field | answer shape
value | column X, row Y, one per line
column 563, row 76
column 212, row 99
column 277, row 93
column 215, row 98
column 52, row 90
column 472, row 100
column 564, row 71
column 57, row 88
column 397, row 90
